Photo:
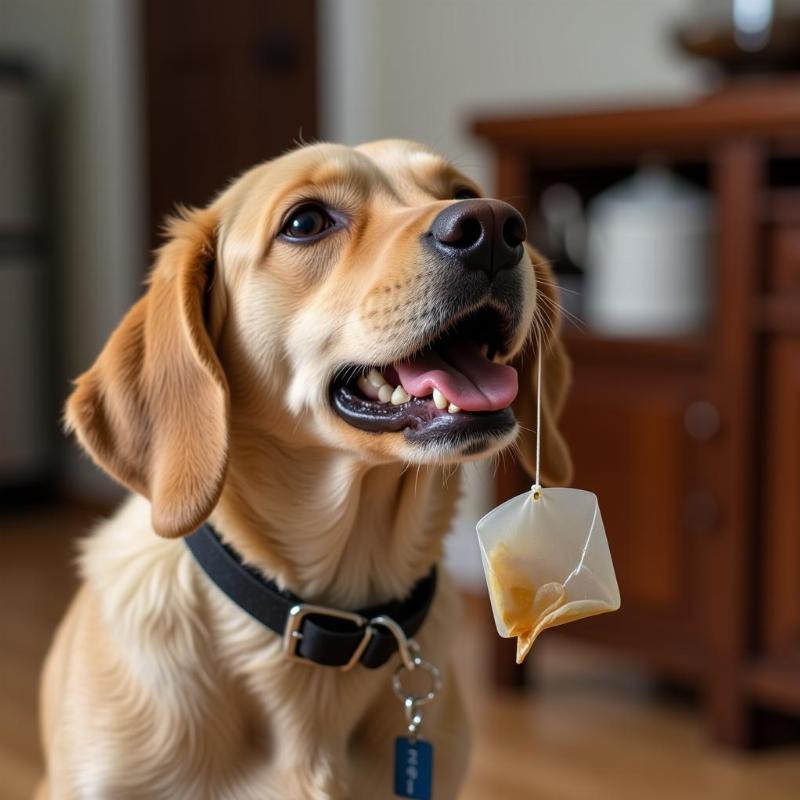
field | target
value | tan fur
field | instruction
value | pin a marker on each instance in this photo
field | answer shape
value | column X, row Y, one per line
column 210, row 398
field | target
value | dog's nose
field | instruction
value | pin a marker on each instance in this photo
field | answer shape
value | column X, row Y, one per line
column 481, row 234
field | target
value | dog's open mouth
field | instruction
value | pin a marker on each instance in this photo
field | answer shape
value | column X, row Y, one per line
column 453, row 386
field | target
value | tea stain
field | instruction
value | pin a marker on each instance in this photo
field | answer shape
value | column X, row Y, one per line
column 527, row 610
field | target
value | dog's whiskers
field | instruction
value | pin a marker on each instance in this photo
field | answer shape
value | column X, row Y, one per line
column 557, row 307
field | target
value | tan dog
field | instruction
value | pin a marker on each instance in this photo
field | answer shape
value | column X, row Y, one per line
column 236, row 389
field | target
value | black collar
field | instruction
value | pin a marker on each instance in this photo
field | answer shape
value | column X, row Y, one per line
column 312, row 633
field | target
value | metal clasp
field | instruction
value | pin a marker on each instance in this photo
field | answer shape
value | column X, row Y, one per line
column 408, row 648
column 292, row 634
column 413, row 702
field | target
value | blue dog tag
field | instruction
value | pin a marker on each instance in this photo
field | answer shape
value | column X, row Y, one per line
column 413, row 768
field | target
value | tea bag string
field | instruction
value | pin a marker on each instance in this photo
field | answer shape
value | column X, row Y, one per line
column 537, row 487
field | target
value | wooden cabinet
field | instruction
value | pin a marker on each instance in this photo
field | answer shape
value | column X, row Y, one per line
column 780, row 573
column 693, row 445
column 625, row 424
column 784, row 262
column 773, row 673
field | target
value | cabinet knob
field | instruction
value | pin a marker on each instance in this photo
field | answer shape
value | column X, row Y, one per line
column 701, row 420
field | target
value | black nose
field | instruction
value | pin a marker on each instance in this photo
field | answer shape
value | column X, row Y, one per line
column 481, row 234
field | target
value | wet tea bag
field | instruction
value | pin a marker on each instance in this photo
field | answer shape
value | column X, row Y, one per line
column 546, row 558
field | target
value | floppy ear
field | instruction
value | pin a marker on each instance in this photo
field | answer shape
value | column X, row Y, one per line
column 153, row 410
column 556, row 466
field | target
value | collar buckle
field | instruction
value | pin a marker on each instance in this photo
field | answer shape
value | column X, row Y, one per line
column 292, row 635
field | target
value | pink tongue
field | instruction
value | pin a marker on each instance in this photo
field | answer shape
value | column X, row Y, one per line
column 462, row 375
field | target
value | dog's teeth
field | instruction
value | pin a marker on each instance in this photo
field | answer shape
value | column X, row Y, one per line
column 365, row 386
column 400, row 396
column 385, row 393
column 375, row 378
column 453, row 408
column 440, row 401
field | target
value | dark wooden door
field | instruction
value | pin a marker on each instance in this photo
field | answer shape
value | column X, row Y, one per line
column 227, row 85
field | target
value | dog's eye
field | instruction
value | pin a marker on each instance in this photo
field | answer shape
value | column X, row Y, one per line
column 307, row 222
column 464, row 193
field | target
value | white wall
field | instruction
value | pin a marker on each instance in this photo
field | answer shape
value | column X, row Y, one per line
column 422, row 69
column 86, row 53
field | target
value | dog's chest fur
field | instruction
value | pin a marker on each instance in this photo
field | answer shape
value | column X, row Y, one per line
column 226, row 715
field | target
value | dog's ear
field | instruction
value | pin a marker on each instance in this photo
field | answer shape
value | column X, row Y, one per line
column 556, row 464
column 153, row 409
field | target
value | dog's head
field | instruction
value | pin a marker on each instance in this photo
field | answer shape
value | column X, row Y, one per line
column 363, row 299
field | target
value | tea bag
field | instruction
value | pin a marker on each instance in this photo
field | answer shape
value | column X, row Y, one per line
column 546, row 562
column 546, row 559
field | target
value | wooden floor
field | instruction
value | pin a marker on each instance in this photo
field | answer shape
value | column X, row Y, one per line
column 593, row 728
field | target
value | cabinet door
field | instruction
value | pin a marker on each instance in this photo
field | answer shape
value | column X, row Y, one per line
column 784, row 266
column 626, row 428
column 781, row 569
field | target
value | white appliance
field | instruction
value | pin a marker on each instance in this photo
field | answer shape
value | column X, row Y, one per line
column 648, row 257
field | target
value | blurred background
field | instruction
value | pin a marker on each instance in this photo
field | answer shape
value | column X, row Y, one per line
column 654, row 148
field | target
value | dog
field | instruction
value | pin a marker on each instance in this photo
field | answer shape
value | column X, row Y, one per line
column 316, row 352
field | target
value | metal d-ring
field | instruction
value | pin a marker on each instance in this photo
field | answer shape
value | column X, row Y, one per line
column 412, row 701
column 408, row 648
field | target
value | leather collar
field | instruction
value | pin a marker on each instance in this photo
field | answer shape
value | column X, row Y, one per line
column 312, row 633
